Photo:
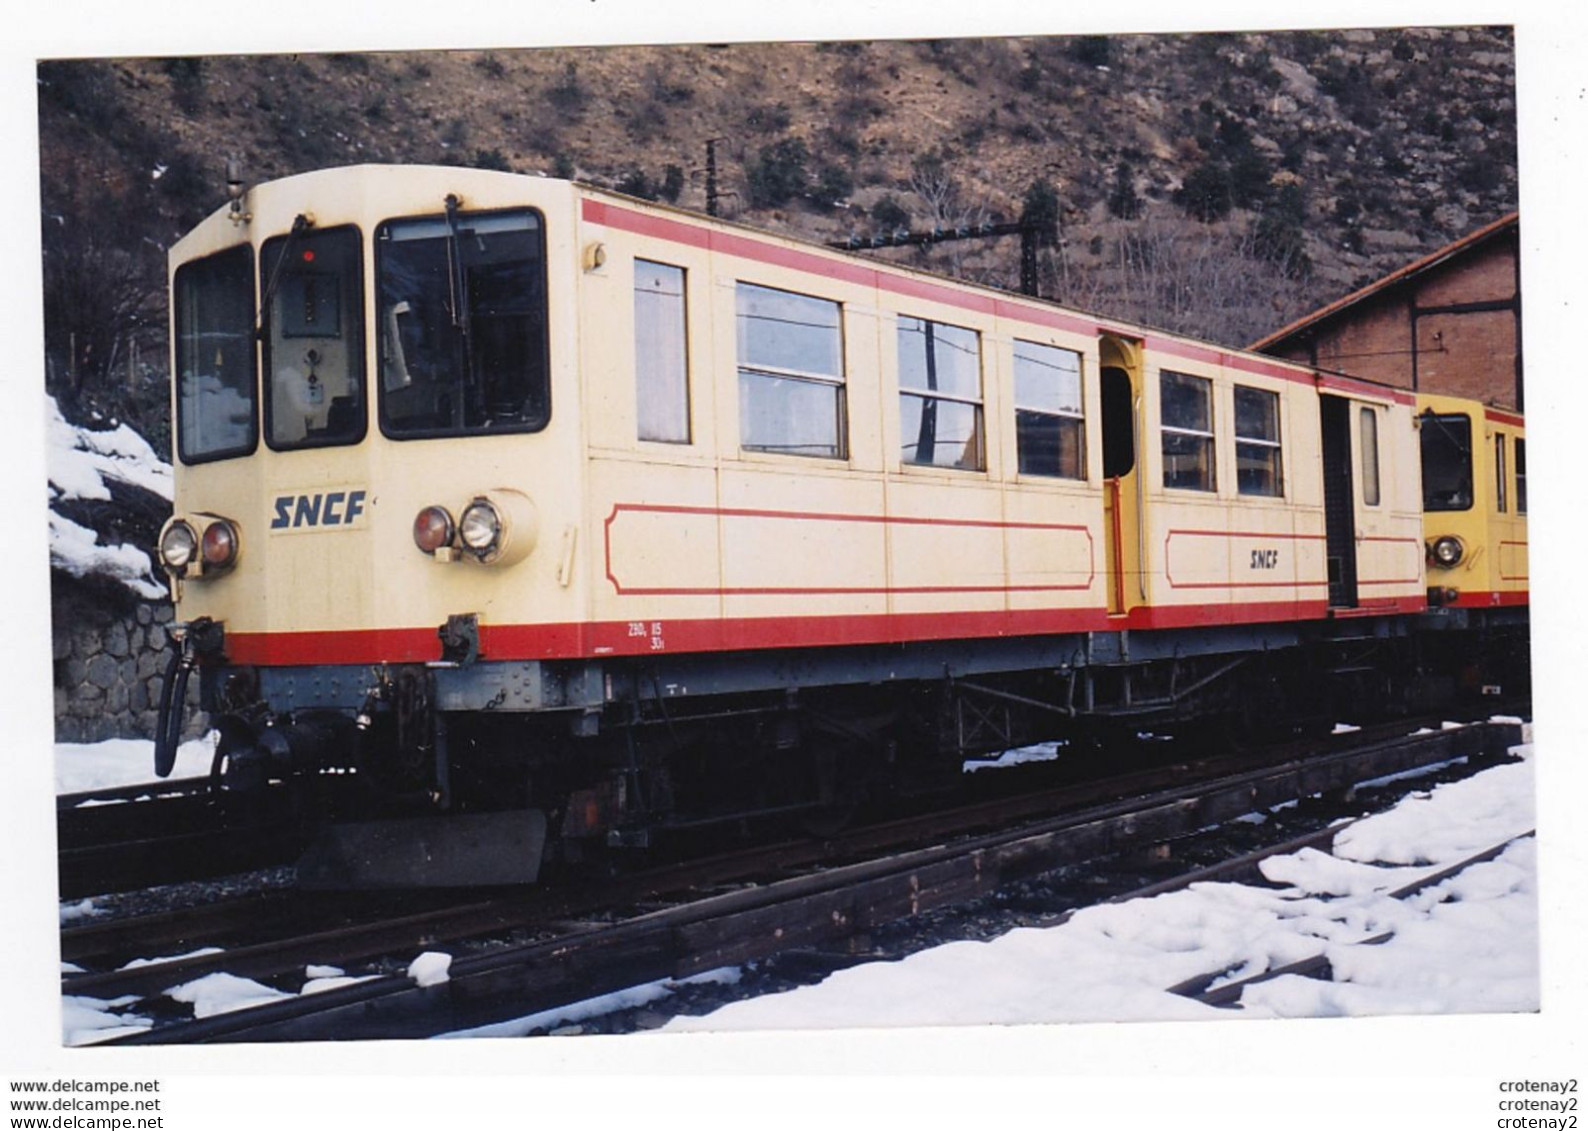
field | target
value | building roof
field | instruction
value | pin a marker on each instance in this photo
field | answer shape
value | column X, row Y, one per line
column 1394, row 278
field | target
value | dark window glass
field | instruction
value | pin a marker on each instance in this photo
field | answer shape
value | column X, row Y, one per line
column 1447, row 461
column 791, row 373
column 661, row 371
column 1187, row 417
column 1521, row 475
column 1049, row 427
column 1259, row 463
column 940, row 409
column 314, row 339
column 214, row 312
column 462, row 308
column 1370, row 476
column 1499, row 473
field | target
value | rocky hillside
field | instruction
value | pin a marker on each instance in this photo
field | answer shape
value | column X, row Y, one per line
column 1217, row 184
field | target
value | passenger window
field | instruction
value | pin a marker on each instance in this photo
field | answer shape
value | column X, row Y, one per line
column 312, row 288
column 1187, row 418
column 1050, row 428
column 1369, row 438
column 1259, row 466
column 791, row 373
column 940, row 398
column 1521, row 475
column 661, row 370
column 1499, row 473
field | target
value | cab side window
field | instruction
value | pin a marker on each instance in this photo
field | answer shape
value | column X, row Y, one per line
column 1521, row 475
column 1371, row 491
column 661, row 358
column 1500, row 499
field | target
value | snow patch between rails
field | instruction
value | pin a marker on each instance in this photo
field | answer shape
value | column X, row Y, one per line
column 431, row 968
column 87, row 1021
column 224, row 993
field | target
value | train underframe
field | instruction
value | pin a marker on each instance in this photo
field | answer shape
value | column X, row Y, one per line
column 474, row 770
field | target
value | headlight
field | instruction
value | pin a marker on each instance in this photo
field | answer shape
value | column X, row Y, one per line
column 433, row 529
column 1446, row 551
column 480, row 529
column 178, row 546
column 219, row 544
column 497, row 528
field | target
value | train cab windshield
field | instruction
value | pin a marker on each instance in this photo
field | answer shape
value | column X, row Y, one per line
column 213, row 304
column 313, row 338
column 462, row 308
column 1447, row 461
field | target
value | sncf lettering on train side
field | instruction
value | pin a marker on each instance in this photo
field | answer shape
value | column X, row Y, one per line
column 1265, row 559
column 324, row 508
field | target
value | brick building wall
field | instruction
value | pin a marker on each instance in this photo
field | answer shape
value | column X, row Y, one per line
column 1449, row 324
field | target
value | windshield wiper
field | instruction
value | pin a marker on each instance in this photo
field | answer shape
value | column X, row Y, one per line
column 300, row 224
column 457, row 274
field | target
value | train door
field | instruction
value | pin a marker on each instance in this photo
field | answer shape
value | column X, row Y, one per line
column 1339, row 502
column 1122, row 499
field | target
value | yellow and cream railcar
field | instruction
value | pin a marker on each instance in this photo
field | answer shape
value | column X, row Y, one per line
column 1474, row 461
column 454, row 445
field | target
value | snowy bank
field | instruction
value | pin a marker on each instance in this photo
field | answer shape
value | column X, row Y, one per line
column 82, row 463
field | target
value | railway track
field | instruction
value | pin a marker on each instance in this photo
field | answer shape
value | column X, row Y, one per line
column 351, row 924
column 137, row 840
column 725, row 912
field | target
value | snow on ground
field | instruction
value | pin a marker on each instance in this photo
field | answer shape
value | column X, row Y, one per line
column 80, row 767
column 1469, row 944
column 80, row 461
column 87, row 1020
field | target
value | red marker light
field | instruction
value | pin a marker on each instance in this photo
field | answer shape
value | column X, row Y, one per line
column 308, row 256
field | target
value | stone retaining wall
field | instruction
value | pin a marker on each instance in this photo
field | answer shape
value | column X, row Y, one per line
column 110, row 661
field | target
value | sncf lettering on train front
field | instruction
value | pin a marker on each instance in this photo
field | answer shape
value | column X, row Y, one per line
column 339, row 509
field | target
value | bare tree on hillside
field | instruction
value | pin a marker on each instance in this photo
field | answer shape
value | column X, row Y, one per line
column 1208, row 281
